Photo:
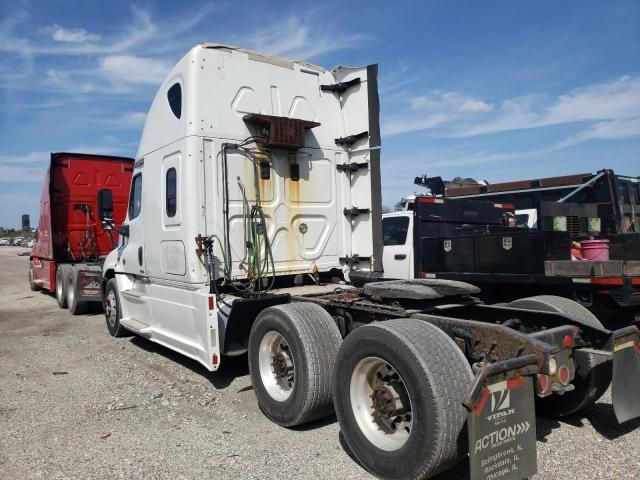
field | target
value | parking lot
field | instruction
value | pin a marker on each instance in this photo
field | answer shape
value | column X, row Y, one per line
column 76, row 403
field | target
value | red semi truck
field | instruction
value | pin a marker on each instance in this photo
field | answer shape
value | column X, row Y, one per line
column 73, row 237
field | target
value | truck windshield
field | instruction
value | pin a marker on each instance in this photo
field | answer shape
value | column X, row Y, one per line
column 394, row 230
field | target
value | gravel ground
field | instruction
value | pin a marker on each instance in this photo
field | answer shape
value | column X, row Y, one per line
column 76, row 403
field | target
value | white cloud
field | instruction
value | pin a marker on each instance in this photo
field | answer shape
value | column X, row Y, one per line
column 295, row 37
column 417, row 103
column 75, row 82
column 75, row 41
column 132, row 119
column 132, row 69
column 73, row 35
column 475, row 106
column 617, row 99
column 57, row 76
column 458, row 115
column 29, row 159
column 607, row 130
column 437, row 110
column 23, row 174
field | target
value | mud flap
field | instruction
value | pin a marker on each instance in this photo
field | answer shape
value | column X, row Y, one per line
column 89, row 286
column 502, row 431
column 625, row 387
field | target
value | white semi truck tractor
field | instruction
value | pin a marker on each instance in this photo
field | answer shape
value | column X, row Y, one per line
column 254, row 227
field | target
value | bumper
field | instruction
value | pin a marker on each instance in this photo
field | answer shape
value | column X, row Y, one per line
column 622, row 351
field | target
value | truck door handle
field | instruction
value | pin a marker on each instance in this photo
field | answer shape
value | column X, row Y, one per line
column 140, row 256
column 400, row 256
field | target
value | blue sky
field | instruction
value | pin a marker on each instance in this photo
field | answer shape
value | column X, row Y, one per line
column 494, row 90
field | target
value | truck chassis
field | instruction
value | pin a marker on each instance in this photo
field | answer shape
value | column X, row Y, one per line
column 384, row 356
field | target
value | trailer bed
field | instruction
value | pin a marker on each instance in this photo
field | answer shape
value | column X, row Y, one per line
column 588, row 268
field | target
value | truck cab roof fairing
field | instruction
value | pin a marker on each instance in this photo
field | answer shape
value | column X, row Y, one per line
column 201, row 74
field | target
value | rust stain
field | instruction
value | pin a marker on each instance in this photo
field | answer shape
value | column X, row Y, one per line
column 265, row 187
column 293, row 201
column 294, row 185
column 294, row 192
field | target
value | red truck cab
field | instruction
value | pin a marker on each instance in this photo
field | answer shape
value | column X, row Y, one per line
column 72, row 240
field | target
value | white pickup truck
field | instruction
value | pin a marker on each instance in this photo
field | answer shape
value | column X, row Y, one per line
column 253, row 227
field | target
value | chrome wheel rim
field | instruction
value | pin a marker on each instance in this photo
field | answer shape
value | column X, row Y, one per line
column 275, row 362
column 71, row 294
column 111, row 308
column 380, row 403
column 59, row 286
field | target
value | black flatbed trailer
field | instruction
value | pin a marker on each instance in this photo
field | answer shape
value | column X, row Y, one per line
column 617, row 197
column 508, row 263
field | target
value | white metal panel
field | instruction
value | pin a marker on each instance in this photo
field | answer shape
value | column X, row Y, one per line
column 172, row 256
column 287, row 205
column 219, row 87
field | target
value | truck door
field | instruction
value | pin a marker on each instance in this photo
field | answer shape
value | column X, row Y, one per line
column 398, row 245
column 132, row 250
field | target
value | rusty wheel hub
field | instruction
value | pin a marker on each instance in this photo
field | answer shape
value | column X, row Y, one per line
column 388, row 409
column 381, row 403
column 282, row 364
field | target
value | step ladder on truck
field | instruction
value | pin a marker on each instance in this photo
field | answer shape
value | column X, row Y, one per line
column 254, row 227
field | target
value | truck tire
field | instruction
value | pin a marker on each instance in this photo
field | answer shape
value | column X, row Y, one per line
column 589, row 385
column 32, row 285
column 418, row 364
column 76, row 307
column 292, row 354
column 112, row 311
column 61, row 285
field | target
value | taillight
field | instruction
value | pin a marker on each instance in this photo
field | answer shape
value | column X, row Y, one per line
column 564, row 375
column 214, row 359
column 542, row 383
column 212, row 302
column 429, row 200
column 567, row 342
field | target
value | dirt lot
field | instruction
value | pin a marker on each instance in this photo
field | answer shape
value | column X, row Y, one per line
column 76, row 403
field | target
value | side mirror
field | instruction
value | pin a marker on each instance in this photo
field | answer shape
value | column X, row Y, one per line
column 124, row 230
column 105, row 205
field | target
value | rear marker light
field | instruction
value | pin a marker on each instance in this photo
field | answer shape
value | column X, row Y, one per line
column 429, row 200
column 567, row 342
column 214, row 359
column 607, row 281
column 563, row 375
column 542, row 383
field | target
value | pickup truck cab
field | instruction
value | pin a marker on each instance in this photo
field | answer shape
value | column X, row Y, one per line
column 397, row 257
